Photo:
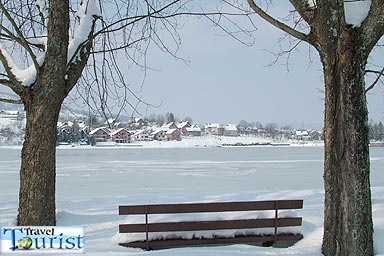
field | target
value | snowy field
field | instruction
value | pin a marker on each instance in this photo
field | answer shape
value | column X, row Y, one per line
column 92, row 182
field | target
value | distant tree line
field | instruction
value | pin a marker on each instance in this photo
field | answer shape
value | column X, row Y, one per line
column 376, row 131
column 166, row 118
column 269, row 127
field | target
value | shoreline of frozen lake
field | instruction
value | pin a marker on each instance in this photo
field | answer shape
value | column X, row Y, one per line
column 202, row 142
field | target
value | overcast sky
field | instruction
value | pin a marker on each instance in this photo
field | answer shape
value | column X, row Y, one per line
column 226, row 82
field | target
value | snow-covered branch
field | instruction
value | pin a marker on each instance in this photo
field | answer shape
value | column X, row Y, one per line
column 25, row 77
column 12, row 32
column 87, row 14
column 20, row 37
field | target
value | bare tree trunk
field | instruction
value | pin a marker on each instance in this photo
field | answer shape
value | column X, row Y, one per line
column 38, row 166
column 348, row 228
column 344, row 49
column 42, row 104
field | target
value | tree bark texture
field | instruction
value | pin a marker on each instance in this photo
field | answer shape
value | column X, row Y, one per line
column 42, row 104
column 348, row 227
column 38, row 171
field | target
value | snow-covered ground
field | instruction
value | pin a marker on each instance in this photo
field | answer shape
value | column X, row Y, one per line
column 92, row 183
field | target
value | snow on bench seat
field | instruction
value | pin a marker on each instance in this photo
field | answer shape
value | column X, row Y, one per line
column 188, row 224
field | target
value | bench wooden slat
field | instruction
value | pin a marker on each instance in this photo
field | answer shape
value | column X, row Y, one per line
column 209, row 225
column 210, row 207
column 158, row 244
column 274, row 223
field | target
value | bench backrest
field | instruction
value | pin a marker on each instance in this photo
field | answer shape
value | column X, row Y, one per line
column 274, row 222
column 211, row 207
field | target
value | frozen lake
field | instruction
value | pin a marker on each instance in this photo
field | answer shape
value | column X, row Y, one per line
column 90, row 172
column 92, row 182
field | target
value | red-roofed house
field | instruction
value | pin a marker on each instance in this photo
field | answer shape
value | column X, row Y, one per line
column 183, row 126
column 100, row 134
column 173, row 134
column 121, row 136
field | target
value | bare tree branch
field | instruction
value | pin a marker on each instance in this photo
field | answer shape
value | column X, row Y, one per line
column 379, row 74
column 283, row 52
column 119, row 23
column 278, row 24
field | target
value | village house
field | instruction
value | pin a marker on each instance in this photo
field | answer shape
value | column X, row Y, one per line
column 173, row 134
column 183, row 127
column 230, row 130
column 121, row 136
column 214, row 129
column 301, row 135
column 194, row 131
column 222, row 130
column 166, row 126
column 100, row 134
column 142, row 135
column 158, row 135
column 137, row 123
column 118, row 125
column 315, row 135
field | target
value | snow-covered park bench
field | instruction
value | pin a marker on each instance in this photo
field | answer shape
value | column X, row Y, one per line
column 190, row 224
